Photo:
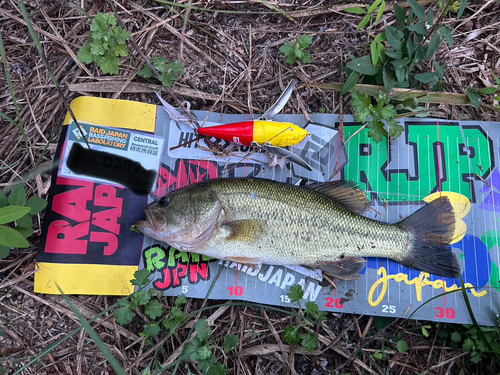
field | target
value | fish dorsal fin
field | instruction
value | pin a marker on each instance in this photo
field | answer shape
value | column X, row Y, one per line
column 346, row 193
column 243, row 230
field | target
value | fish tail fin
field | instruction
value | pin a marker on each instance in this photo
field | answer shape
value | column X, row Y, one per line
column 433, row 229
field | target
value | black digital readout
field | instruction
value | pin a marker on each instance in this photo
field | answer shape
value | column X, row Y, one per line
column 111, row 167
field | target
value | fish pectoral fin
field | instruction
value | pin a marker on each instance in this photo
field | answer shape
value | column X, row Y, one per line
column 347, row 268
column 243, row 230
column 253, row 263
column 346, row 193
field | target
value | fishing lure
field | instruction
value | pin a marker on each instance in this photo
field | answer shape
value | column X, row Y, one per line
column 270, row 136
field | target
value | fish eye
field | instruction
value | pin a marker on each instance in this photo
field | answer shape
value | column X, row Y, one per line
column 164, row 201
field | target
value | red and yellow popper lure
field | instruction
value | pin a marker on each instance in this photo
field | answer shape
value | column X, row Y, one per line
column 267, row 135
column 257, row 133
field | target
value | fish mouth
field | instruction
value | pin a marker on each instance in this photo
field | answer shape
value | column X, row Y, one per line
column 147, row 225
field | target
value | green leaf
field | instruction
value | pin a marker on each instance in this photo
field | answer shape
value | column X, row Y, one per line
column 3, row 199
column 178, row 315
column 36, row 204
column 463, row 5
column 306, row 59
column 430, row 17
column 299, row 54
column 497, row 80
column 296, row 293
column 388, row 79
column 151, row 329
column 456, row 336
column 363, row 65
column 402, row 346
column 4, row 251
column 121, row 36
column 488, row 90
column 355, row 10
column 120, row 50
column 377, row 131
column 417, row 9
column 312, row 309
column 322, row 315
column 380, row 11
column 99, row 23
column 419, row 54
column 287, row 48
column 124, row 315
column 10, row 213
column 363, row 22
column 400, row 14
column 445, row 32
column 142, row 297
column 473, row 97
column 374, row 6
column 181, row 300
column 98, row 47
column 395, row 54
column 410, row 47
column 394, row 37
column 176, row 68
column 291, row 336
column 153, row 309
column 203, row 330
column 24, row 222
column 374, row 52
column 304, row 41
column 203, row 352
column 439, row 69
column 425, row 332
column 146, row 72
column 433, row 46
column 309, row 341
column 400, row 74
column 18, row 196
column 141, row 278
column 108, row 63
column 468, row 344
column 380, row 38
column 12, row 238
column 418, row 28
column 350, row 83
column 427, row 78
column 475, row 357
column 409, row 19
column 291, row 59
column 160, row 63
column 362, row 106
column 381, row 52
column 401, row 63
column 395, row 129
column 230, row 342
column 85, row 54
column 25, row 232
column 387, row 112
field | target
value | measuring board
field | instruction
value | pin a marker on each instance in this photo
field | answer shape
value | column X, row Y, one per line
column 431, row 157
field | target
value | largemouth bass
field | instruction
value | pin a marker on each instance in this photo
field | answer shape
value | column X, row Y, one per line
column 253, row 221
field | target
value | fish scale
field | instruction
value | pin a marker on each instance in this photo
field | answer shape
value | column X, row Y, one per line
column 335, row 230
column 255, row 221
